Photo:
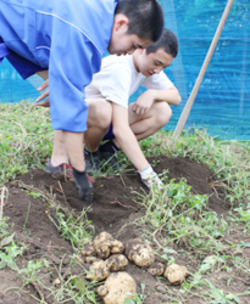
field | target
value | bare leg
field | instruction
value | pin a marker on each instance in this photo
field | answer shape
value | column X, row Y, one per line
column 146, row 125
column 68, row 145
column 59, row 153
column 99, row 120
column 74, row 145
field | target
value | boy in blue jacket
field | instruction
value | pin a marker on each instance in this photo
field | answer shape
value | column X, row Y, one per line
column 70, row 37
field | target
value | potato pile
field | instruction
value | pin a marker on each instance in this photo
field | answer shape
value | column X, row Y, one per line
column 98, row 255
column 107, row 259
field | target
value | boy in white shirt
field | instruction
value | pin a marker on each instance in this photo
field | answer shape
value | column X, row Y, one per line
column 110, row 116
column 108, row 95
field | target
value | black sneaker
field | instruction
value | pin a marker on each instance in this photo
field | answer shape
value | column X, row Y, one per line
column 92, row 161
column 58, row 170
column 108, row 153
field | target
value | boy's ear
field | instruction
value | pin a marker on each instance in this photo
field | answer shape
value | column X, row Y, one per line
column 121, row 21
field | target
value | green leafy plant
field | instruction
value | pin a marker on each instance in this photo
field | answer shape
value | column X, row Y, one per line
column 76, row 230
column 32, row 271
column 137, row 298
column 9, row 249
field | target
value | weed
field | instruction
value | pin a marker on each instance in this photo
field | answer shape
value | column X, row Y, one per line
column 27, row 218
column 9, row 249
column 32, row 271
column 76, row 230
column 177, row 215
column 137, row 298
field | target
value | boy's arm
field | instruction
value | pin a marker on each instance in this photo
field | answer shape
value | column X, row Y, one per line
column 171, row 96
column 146, row 100
column 125, row 138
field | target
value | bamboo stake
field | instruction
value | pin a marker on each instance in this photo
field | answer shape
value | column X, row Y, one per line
column 190, row 101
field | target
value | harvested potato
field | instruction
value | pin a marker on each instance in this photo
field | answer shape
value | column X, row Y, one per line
column 103, row 252
column 90, row 259
column 175, row 274
column 156, row 269
column 102, row 237
column 98, row 271
column 88, row 250
column 102, row 244
column 120, row 285
column 117, row 247
column 116, row 262
column 140, row 253
column 102, row 291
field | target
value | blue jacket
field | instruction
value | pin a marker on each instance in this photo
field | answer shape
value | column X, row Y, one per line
column 68, row 36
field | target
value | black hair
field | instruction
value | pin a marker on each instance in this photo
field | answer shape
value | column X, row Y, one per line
column 168, row 41
column 146, row 18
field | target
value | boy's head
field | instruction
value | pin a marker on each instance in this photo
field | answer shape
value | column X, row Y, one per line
column 137, row 23
column 158, row 55
column 168, row 42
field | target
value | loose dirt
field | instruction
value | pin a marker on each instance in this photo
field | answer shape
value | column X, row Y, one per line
column 33, row 221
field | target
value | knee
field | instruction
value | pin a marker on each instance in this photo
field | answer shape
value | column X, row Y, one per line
column 163, row 113
column 100, row 114
column 104, row 114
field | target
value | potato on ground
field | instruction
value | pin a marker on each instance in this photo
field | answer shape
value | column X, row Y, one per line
column 116, row 262
column 156, row 269
column 98, row 271
column 88, row 250
column 175, row 274
column 140, row 253
column 104, row 244
column 90, row 259
column 117, row 247
column 117, row 288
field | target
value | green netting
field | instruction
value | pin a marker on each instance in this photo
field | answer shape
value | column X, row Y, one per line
column 222, row 104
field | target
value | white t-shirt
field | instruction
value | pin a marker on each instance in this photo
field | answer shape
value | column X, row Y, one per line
column 118, row 80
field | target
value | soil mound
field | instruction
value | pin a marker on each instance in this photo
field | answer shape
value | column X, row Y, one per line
column 113, row 207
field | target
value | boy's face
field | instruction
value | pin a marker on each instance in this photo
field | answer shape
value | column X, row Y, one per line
column 152, row 63
column 122, row 43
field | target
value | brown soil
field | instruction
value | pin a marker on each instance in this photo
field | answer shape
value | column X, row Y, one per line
column 113, row 207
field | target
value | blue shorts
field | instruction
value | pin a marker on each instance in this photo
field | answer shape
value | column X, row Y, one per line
column 23, row 66
column 110, row 134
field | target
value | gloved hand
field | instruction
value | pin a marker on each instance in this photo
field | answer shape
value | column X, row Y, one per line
column 83, row 185
column 150, row 178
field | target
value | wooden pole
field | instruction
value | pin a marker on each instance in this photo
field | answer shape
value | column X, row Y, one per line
column 190, row 101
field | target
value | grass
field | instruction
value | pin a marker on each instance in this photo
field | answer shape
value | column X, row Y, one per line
column 174, row 220
column 25, row 139
column 178, row 216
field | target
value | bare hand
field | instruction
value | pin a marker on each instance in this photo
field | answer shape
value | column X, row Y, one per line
column 143, row 103
column 45, row 94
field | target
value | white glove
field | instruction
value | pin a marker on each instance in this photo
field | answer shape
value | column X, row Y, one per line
column 150, row 178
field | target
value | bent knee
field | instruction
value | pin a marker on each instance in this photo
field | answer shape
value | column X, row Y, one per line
column 100, row 113
column 163, row 113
